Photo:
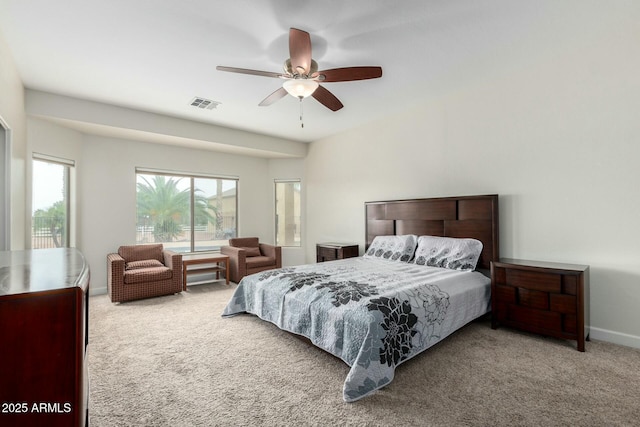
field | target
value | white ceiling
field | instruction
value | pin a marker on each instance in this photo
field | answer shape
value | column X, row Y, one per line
column 156, row 55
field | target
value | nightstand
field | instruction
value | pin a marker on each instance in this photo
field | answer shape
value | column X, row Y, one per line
column 333, row 251
column 541, row 297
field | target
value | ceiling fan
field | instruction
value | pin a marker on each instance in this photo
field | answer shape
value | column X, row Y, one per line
column 301, row 75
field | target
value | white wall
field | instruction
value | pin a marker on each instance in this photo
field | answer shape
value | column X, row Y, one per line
column 13, row 115
column 557, row 137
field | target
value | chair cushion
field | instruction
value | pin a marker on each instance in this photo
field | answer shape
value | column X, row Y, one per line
column 251, row 252
column 260, row 261
column 149, row 274
column 141, row 252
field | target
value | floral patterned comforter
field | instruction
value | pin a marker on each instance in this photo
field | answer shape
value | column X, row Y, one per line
column 374, row 314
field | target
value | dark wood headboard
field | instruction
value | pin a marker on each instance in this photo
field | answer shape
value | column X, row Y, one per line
column 467, row 216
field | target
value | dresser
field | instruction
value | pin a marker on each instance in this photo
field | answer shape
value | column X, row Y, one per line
column 44, row 302
column 542, row 297
column 334, row 251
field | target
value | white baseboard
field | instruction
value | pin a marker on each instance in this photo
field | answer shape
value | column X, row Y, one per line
column 97, row 291
column 614, row 337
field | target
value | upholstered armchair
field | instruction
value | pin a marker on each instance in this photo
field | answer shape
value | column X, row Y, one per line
column 248, row 256
column 142, row 271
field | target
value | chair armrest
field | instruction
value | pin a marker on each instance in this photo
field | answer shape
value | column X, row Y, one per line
column 237, row 262
column 114, row 258
column 115, row 267
column 115, row 275
column 233, row 251
column 172, row 259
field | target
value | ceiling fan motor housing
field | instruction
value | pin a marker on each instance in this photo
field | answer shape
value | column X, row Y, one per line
column 288, row 69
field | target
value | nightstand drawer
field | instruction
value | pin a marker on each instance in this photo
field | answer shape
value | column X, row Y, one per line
column 569, row 324
column 533, row 280
column 533, row 299
column 534, row 320
column 335, row 251
column 327, row 254
column 505, row 294
column 570, row 285
column 563, row 303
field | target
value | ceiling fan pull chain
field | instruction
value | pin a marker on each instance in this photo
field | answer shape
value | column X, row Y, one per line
column 301, row 122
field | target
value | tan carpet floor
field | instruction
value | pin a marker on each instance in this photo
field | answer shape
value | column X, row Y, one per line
column 173, row 361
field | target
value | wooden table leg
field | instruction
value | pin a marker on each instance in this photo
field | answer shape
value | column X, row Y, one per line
column 184, row 277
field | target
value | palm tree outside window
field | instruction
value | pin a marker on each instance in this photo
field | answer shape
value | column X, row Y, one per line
column 186, row 213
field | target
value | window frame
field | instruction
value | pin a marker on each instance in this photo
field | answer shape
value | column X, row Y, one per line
column 68, row 171
column 275, row 204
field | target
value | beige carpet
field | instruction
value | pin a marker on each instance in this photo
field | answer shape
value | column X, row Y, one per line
column 173, row 361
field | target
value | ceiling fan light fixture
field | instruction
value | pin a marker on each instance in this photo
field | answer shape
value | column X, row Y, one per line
column 300, row 88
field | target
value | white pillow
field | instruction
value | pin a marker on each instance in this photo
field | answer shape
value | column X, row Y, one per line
column 393, row 248
column 448, row 252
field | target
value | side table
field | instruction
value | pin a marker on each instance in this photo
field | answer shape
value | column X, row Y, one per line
column 209, row 264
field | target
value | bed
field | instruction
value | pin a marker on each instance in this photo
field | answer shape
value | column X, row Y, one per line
column 423, row 275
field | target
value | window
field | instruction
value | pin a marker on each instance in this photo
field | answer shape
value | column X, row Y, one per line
column 288, row 213
column 186, row 213
column 50, row 202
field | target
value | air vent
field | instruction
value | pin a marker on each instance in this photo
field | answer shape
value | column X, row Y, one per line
column 203, row 103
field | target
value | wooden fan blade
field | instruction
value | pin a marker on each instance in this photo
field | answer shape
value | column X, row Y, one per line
column 327, row 99
column 278, row 94
column 348, row 74
column 247, row 71
column 299, row 51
